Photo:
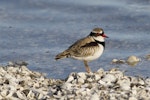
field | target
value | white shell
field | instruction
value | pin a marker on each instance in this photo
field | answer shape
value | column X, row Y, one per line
column 31, row 95
column 70, row 79
column 133, row 98
column 21, row 95
column 82, row 75
column 81, row 80
column 94, row 97
column 67, row 86
column 97, row 77
column 124, row 83
column 108, row 78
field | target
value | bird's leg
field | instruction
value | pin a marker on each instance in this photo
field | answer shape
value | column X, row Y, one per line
column 87, row 67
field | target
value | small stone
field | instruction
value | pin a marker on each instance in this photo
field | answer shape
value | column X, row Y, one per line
column 133, row 60
column 114, row 60
column 148, row 57
column 10, row 63
column 118, row 61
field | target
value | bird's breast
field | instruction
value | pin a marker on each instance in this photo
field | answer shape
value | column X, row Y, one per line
column 96, row 52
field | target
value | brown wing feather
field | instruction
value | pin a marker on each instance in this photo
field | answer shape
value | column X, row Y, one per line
column 91, row 44
column 83, row 47
column 81, row 42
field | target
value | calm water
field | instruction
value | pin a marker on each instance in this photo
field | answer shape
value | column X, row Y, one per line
column 36, row 30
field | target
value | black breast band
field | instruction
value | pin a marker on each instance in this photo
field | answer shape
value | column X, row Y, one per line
column 102, row 43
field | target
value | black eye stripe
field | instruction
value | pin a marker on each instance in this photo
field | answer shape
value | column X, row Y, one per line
column 100, row 34
column 92, row 34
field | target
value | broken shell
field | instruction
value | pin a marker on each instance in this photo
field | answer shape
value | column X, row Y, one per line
column 147, row 81
column 124, row 83
column 31, row 95
column 40, row 97
column 4, row 93
column 97, row 77
column 82, row 75
column 94, row 97
column 100, row 71
column 70, row 79
column 109, row 78
column 133, row 98
column 21, row 95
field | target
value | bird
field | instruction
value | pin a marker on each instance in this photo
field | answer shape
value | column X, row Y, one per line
column 86, row 49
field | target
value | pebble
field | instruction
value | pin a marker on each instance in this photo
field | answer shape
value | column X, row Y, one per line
column 147, row 57
column 133, row 60
column 118, row 61
column 17, row 82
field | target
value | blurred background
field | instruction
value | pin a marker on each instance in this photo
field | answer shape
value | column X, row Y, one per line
column 36, row 30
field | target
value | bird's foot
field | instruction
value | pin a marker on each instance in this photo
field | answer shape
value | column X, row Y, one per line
column 88, row 70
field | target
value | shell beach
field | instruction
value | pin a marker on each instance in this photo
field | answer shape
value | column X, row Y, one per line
column 17, row 82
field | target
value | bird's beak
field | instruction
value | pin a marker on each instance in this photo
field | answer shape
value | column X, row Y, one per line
column 105, row 36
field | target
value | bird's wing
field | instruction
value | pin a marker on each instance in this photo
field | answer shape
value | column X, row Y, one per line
column 83, row 47
column 81, row 42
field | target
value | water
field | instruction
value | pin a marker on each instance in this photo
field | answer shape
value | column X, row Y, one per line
column 35, row 31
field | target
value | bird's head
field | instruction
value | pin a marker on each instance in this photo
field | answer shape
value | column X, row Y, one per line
column 98, row 34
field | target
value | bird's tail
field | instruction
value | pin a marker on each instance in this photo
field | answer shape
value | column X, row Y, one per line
column 64, row 54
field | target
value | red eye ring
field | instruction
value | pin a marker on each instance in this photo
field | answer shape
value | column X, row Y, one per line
column 97, row 34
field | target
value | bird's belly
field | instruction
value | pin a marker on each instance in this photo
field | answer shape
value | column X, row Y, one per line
column 96, row 55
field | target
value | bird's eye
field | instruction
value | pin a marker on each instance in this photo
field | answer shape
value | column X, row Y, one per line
column 101, row 34
column 97, row 34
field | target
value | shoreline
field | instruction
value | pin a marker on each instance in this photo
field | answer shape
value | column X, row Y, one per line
column 18, row 82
